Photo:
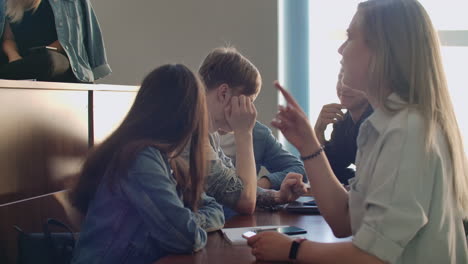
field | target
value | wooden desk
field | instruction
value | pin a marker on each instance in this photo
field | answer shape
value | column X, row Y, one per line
column 218, row 250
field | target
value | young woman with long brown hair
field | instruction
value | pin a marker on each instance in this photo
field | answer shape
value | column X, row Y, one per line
column 140, row 199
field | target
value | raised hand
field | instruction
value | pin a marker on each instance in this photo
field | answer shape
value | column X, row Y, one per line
column 292, row 121
column 330, row 114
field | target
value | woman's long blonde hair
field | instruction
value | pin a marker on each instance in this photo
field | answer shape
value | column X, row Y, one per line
column 408, row 61
column 16, row 8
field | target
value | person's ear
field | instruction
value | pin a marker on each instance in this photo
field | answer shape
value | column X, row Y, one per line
column 224, row 93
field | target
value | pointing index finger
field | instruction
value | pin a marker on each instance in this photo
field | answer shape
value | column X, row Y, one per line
column 289, row 99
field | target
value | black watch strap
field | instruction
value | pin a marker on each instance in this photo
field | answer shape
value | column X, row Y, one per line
column 294, row 248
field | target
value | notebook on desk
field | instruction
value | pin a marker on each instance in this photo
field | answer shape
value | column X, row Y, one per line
column 303, row 205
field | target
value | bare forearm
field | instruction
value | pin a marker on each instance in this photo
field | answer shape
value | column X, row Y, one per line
column 330, row 195
column 245, row 167
column 11, row 50
column 9, row 44
column 313, row 252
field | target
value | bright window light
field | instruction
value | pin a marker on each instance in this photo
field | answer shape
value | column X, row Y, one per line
column 327, row 31
column 328, row 21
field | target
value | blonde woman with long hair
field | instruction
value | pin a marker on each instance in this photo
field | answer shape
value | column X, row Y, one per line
column 49, row 40
column 410, row 193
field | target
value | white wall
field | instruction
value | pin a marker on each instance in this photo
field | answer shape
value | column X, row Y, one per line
column 141, row 35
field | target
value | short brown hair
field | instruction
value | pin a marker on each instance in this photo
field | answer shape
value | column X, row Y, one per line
column 227, row 65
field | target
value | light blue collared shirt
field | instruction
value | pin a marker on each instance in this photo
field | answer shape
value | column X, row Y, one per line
column 401, row 202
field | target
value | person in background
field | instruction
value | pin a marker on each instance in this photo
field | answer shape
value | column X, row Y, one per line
column 341, row 148
column 232, row 84
column 49, row 40
column 141, row 201
column 410, row 193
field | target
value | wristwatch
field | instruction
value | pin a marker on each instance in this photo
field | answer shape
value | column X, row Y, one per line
column 295, row 247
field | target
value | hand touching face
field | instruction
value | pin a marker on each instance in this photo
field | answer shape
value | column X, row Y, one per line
column 240, row 114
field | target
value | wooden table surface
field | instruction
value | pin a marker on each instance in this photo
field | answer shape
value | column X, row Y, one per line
column 219, row 250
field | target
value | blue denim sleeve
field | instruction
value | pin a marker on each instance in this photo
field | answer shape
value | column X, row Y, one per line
column 95, row 43
column 2, row 17
column 208, row 215
column 278, row 161
column 151, row 188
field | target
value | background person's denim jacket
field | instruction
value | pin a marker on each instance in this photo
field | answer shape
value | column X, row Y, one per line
column 269, row 153
column 144, row 218
column 79, row 34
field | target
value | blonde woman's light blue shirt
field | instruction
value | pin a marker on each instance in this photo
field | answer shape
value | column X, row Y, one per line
column 402, row 204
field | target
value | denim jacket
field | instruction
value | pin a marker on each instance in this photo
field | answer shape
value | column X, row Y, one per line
column 268, row 153
column 79, row 34
column 144, row 218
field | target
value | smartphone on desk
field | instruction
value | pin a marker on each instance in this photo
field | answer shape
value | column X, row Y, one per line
column 303, row 205
column 291, row 230
column 248, row 234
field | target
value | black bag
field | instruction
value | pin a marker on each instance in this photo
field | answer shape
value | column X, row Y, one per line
column 47, row 247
